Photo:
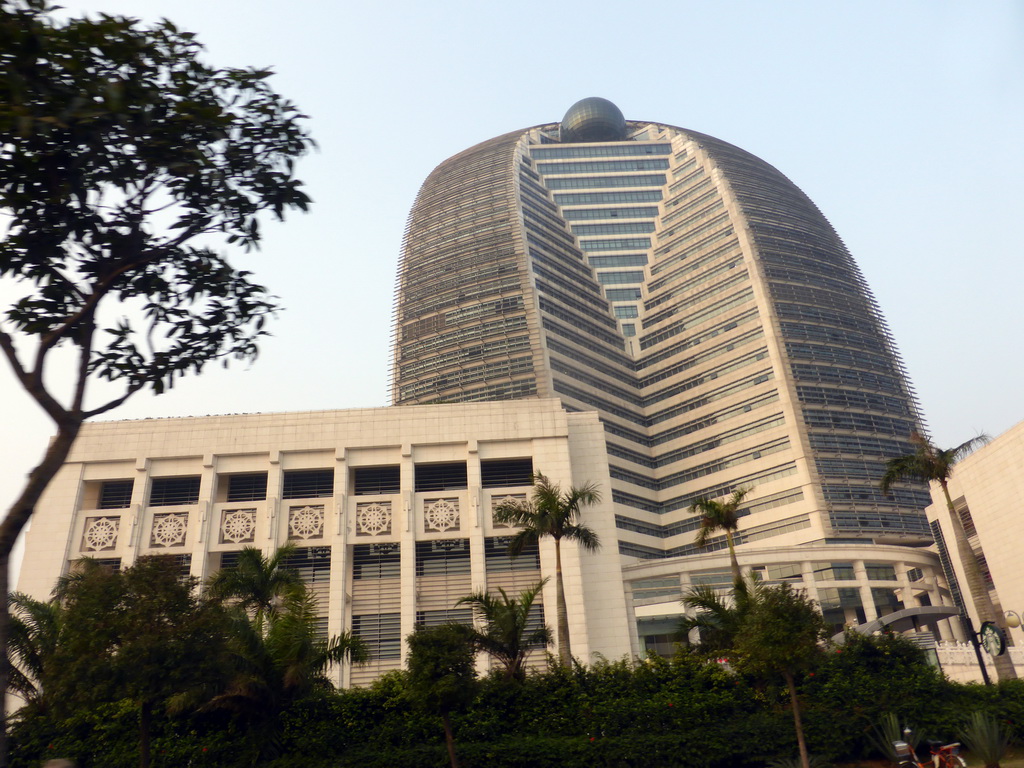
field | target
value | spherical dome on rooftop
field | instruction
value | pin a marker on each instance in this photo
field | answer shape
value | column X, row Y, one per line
column 593, row 119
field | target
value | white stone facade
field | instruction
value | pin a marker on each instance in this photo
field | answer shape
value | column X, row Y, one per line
column 203, row 488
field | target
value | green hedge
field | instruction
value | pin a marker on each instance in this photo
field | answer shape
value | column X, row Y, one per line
column 683, row 712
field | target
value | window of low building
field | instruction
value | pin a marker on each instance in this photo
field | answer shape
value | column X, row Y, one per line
column 173, row 491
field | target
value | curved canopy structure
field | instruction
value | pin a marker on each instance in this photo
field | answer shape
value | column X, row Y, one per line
column 908, row 618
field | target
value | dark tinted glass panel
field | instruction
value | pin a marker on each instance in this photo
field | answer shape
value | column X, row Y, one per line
column 623, row 294
column 371, row 480
column 168, row 491
column 598, row 198
column 115, row 494
column 252, row 487
column 441, row 477
column 621, row 149
column 308, row 484
column 499, row 473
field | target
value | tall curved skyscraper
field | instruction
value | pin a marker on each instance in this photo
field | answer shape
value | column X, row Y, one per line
column 689, row 293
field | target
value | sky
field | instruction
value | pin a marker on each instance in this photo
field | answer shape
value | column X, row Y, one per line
column 903, row 121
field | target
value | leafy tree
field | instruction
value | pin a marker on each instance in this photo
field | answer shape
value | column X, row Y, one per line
column 507, row 635
column 766, row 630
column 554, row 514
column 274, row 659
column 720, row 516
column 123, row 160
column 441, row 674
column 141, row 634
column 932, row 464
column 781, row 634
column 258, row 583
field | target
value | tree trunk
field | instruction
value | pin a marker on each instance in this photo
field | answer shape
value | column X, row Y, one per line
column 976, row 584
column 564, row 651
column 805, row 759
column 449, row 740
column 17, row 517
column 145, row 720
column 737, row 578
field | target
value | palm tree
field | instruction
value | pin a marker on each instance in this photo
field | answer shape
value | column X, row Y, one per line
column 34, row 635
column 720, row 516
column 716, row 617
column 507, row 635
column 550, row 512
column 933, row 464
column 258, row 583
column 275, row 659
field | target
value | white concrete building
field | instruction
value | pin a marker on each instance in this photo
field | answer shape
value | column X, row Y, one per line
column 987, row 489
column 390, row 509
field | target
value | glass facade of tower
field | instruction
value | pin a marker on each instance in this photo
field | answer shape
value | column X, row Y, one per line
column 690, row 294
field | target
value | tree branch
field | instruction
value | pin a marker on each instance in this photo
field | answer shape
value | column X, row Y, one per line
column 132, row 389
column 84, row 357
column 7, row 345
column 33, row 383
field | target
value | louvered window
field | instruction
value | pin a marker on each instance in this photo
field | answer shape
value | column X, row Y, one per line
column 313, row 564
column 248, row 487
column 444, row 557
column 441, row 477
column 498, row 559
column 308, row 484
column 116, row 494
column 376, row 561
column 377, row 480
column 382, row 633
column 172, row 491
column 503, row 473
column 444, row 616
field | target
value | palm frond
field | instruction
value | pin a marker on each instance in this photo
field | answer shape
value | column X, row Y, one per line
column 717, row 515
column 928, row 462
column 969, row 446
column 584, row 536
column 505, row 635
column 523, row 539
column 908, row 467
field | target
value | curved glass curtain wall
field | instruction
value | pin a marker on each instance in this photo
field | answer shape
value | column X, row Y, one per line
column 613, row 275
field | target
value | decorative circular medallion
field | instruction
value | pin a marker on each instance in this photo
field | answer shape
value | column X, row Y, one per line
column 238, row 526
column 169, row 530
column 101, row 533
column 306, row 523
column 442, row 515
column 374, row 519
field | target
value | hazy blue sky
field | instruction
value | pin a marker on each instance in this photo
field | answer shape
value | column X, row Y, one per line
column 902, row 121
